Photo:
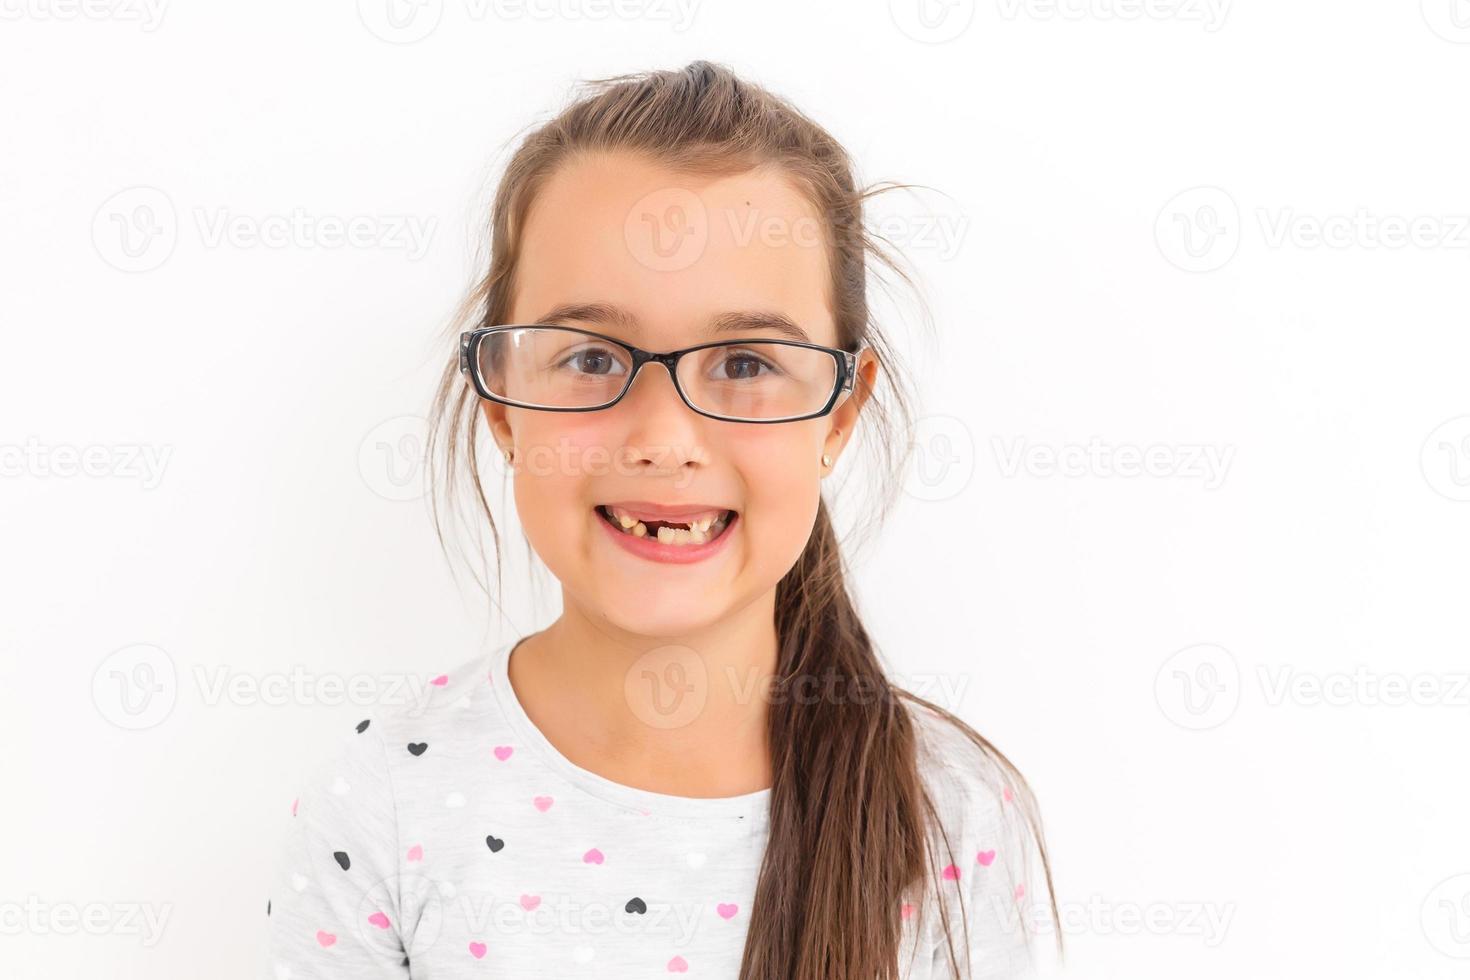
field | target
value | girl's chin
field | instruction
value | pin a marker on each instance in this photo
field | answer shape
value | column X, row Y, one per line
column 671, row 617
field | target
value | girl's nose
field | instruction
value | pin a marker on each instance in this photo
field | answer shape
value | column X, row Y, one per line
column 662, row 430
column 655, row 386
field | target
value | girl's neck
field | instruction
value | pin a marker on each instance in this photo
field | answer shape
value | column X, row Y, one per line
column 684, row 715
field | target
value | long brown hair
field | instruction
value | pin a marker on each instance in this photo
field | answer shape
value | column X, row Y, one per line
column 850, row 817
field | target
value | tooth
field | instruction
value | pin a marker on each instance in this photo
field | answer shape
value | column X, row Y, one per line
column 698, row 530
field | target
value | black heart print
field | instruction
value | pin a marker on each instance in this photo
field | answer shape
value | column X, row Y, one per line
column 342, row 859
column 418, row 748
column 362, row 725
column 636, row 905
column 494, row 843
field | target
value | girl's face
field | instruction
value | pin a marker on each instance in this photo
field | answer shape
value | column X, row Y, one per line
column 671, row 256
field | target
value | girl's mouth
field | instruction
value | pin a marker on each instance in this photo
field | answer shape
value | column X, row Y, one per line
column 693, row 531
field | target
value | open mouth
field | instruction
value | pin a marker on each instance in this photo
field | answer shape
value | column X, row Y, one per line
column 694, row 530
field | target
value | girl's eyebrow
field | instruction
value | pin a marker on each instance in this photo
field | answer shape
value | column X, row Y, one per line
column 735, row 321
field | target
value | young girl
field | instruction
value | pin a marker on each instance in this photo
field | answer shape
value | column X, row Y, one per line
column 700, row 767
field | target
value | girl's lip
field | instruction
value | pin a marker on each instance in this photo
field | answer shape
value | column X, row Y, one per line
column 675, row 554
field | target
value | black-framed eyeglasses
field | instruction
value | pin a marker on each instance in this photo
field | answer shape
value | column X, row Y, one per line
column 566, row 369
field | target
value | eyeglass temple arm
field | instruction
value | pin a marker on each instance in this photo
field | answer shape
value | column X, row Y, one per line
column 849, row 373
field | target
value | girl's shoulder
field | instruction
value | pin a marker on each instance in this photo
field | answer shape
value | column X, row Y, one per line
column 340, row 883
column 441, row 704
column 965, row 774
column 436, row 713
column 985, row 845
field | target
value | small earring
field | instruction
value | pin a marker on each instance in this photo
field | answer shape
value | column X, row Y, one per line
column 826, row 460
column 510, row 455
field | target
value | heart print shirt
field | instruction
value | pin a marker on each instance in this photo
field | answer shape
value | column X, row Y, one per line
column 451, row 840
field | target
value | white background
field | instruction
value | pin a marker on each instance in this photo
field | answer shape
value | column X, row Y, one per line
column 1124, row 638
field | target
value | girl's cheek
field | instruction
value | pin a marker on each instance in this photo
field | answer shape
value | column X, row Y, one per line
column 560, row 454
column 780, row 480
column 776, row 472
column 782, row 457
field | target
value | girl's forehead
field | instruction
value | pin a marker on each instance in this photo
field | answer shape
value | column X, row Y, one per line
column 673, row 252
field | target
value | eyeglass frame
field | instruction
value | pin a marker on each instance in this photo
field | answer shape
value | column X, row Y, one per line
column 846, row 369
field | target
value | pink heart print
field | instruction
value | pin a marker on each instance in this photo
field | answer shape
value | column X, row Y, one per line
column 951, row 873
column 378, row 919
column 440, row 681
column 416, row 853
column 325, row 938
column 593, row 856
column 543, row 803
column 529, row 902
column 727, row 910
column 986, row 858
column 477, row 950
column 678, row 965
column 502, row 752
column 906, row 911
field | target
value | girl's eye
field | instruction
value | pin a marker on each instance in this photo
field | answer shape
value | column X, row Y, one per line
column 742, row 365
column 593, row 361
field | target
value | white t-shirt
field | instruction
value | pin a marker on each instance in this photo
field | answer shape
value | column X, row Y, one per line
column 451, row 839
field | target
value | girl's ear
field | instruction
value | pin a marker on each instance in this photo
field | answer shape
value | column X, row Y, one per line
column 845, row 416
column 495, row 420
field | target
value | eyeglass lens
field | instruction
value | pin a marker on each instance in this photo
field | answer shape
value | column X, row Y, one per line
column 562, row 368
